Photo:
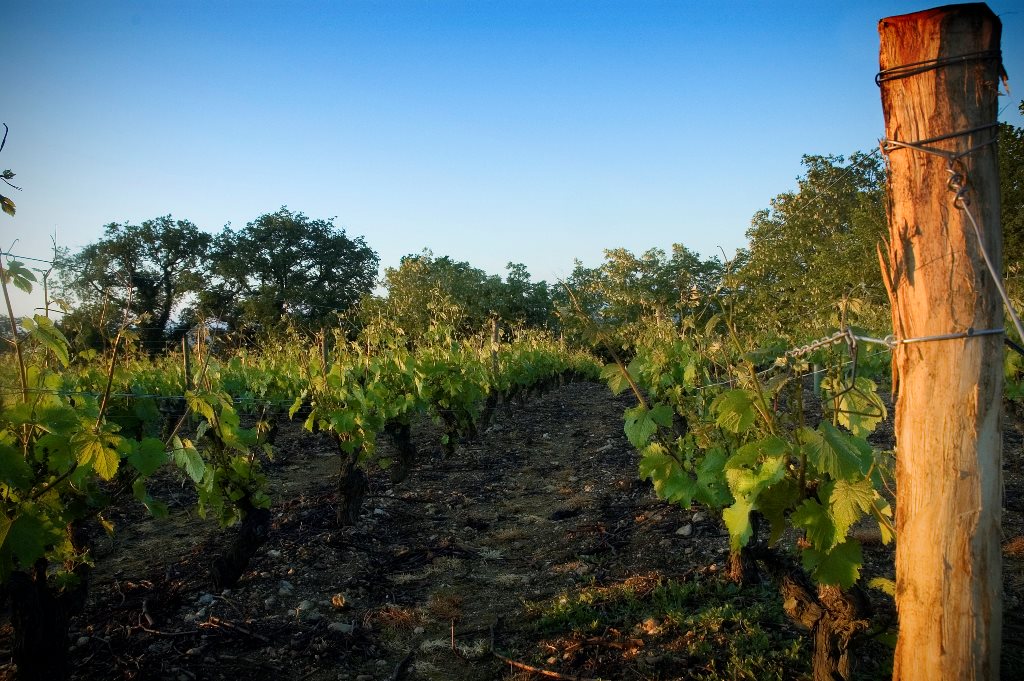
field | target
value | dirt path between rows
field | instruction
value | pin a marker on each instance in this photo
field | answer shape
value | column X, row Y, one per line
column 456, row 560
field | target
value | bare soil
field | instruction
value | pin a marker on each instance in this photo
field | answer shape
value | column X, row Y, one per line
column 442, row 569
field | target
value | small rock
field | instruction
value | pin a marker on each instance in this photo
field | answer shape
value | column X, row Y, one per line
column 206, row 599
column 688, row 550
column 274, row 553
column 378, row 511
column 685, row 531
column 418, row 631
column 284, row 588
column 305, row 605
column 313, row 616
column 364, row 677
column 270, row 601
column 192, row 652
column 699, row 517
column 341, row 627
column 82, row 640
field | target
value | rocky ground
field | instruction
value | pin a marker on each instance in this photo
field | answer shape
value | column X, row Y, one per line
column 485, row 565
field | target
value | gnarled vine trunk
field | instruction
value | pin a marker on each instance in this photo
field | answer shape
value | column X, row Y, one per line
column 228, row 567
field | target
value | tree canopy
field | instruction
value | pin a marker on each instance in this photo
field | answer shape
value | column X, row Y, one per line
column 811, row 263
column 150, row 268
column 425, row 288
column 284, row 264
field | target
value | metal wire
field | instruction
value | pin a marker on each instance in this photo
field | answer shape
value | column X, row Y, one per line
column 917, row 67
column 957, row 184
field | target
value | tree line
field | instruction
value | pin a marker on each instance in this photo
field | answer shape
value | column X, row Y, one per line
column 810, row 265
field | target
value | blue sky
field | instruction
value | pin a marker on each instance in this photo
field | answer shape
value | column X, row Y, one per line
column 534, row 132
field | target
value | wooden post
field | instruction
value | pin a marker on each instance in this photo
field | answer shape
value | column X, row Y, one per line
column 186, row 362
column 949, row 485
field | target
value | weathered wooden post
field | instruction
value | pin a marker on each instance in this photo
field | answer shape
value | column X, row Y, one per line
column 940, row 71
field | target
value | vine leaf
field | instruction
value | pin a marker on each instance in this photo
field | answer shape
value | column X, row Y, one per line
column 147, row 456
column 20, row 276
column 737, row 520
column 848, row 501
column 642, row 423
column 43, row 330
column 23, row 538
column 836, row 453
column 735, row 411
column 670, row 480
column 187, row 458
column 814, row 519
column 98, row 449
column 839, row 566
column 613, row 375
column 14, row 470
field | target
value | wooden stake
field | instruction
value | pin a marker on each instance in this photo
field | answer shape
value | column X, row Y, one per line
column 949, row 485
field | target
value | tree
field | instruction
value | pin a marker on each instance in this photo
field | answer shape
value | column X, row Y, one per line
column 811, row 263
column 155, row 266
column 285, row 264
column 1011, row 183
column 424, row 289
column 626, row 289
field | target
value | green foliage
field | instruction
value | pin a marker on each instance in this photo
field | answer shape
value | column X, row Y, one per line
column 425, row 290
column 736, row 632
column 811, row 263
column 149, row 268
column 285, row 264
column 627, row 289
column 747, row 448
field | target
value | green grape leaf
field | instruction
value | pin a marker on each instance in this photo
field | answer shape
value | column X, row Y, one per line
column 886, row 586
column 737, row 520
column 187, row 458
column 860, row 410
column 18, row 274
column 756, row 465
column 670, row 480
column 712, row 489
column 199, row 404
column 882, row 512
column 42, row 329
column 24, row 539
column 14, row 470
column 8, row 207
column 157, row 509
column 615, row 377
column 57, row 451
column 639, row 425
column 296, row 405
column 848, row 502
column 840, row 566
column 814, row 519
column 735, row 411
column 98, row 450
column 775, row 502
column 147, row 455
column 836, row 453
